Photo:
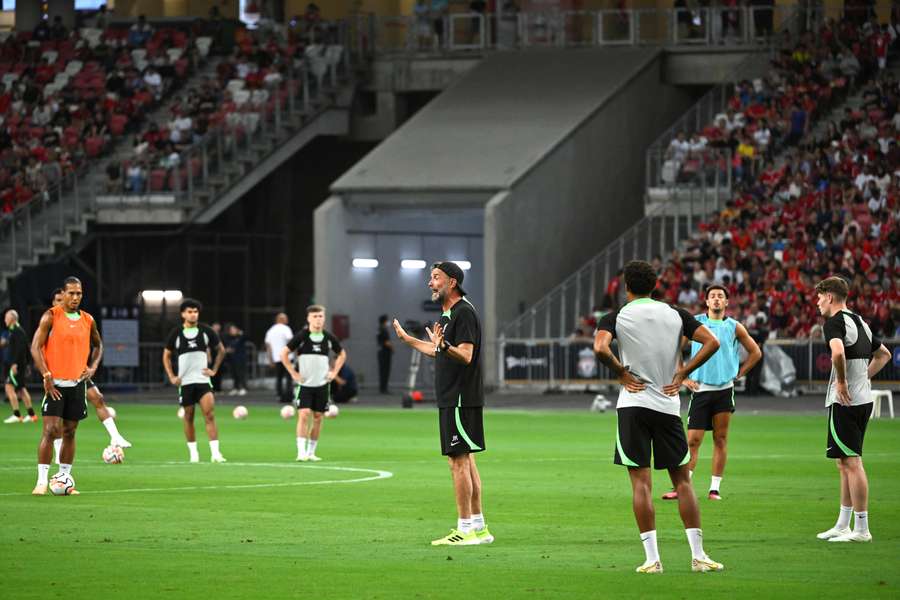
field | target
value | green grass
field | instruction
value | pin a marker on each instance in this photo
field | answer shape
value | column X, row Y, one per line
column 560, row 510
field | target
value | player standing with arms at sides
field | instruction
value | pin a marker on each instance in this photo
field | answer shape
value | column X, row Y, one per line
column 313, row 347
column 712, row 386
column 66, row 350
column 191, row 345
column 456, row 347
column 14, row 370
column 96, row 399
column 856, row 357
column 648, row 410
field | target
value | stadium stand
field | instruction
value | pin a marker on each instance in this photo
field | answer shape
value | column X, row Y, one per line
column 827, row 205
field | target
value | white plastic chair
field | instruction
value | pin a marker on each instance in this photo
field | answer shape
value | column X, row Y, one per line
column 50, row 55
column 234, row 85
column 877, row 397
column 73, row 67
column 241, row 97
column 203, row 43
column 174, row 54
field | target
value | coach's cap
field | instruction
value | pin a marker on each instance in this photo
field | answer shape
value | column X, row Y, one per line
column 453, row 271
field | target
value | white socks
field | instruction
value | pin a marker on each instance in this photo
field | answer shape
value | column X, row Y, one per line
column 192, row 449
column 478, row 522
column 843, row 521
column 214, row 448
column 715, row 484
column 110, row 425
column 861, row 525
column 695, row 539
column 464, row 525
column 312, row 446
column 650, row 548
column 43, row 474
column 63, row 468
column 301, row 446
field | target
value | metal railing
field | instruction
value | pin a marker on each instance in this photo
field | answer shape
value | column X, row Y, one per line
column 560, row 363
column 666, row 225
column 476, row 31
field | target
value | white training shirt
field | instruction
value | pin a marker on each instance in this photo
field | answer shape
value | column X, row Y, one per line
column 277, row 338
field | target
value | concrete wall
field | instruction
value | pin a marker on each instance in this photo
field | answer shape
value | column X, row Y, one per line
column 577, row 200
column 390, row 235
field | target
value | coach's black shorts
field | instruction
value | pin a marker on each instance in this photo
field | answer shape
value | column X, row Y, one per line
column 315, row 398
column 72, row 406
column 847, row 429
column 462, row 430
column 704, row 405
column 16, row 380
column 190, row 394
column 640, row 427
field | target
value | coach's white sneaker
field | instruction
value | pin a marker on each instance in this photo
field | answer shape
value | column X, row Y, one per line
column 302, row 457
column 218, row 458
column 853, row 536
column 12, row 419
column 120, row 442
column 313, row 458
column 705, row 564
column 195, row 458
column 650, row 567
column 833, row 533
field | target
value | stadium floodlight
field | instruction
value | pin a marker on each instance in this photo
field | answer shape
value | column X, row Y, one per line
column 416, row 264
column 463, row 264
column 153, row 295
column 365, row 263
column 173, row 295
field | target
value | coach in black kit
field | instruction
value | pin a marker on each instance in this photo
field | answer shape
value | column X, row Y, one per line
column 455, row 344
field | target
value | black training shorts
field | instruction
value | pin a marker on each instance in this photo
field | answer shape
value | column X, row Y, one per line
column 16, row 380
column 705, row 405
column 315, row 398
column 190, row 394
column 462, row 430
column 847, row 429
column 639, row 428
column 72, row 406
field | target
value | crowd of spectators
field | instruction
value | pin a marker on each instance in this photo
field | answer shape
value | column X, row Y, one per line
column 65, row 96
column 830, row 207
column 806, row 78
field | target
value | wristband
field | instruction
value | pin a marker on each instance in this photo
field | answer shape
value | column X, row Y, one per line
column 47, row 375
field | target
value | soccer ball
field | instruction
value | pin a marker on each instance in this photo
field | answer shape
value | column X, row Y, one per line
column 240, row 412
column 332, row 411
column 62, row 484
column 180, row 412
column 111, row 411
column 113, row 455
column 288, row 412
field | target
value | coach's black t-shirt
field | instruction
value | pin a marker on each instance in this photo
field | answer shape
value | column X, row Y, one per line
column 456, row 383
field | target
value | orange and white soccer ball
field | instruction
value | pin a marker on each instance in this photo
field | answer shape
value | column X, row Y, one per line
column 113, row 455
column 62, row 484
column 240, row 412
column 288, row 412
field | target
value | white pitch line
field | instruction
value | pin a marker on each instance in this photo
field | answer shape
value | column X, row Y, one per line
column 377, row 474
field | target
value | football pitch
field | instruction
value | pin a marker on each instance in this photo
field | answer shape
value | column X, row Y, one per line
column 358, row 524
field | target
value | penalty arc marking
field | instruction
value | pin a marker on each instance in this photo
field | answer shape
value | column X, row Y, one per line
column 372, row 475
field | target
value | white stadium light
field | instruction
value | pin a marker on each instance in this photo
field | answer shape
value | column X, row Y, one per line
column 463, row 264
column 413, row 264
column 173, row 295
column 153, row 295
column 365, row 263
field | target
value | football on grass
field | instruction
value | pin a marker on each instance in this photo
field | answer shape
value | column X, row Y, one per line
column 113, row 455
column 240, row 412
column 62, row 484
column 288, row 412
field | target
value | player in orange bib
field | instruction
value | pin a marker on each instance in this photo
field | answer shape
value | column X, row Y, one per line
column 66, row 350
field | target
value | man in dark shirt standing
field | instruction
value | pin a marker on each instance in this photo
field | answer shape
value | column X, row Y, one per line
column 14, row 371
column 455, row 345
column 385, row 350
